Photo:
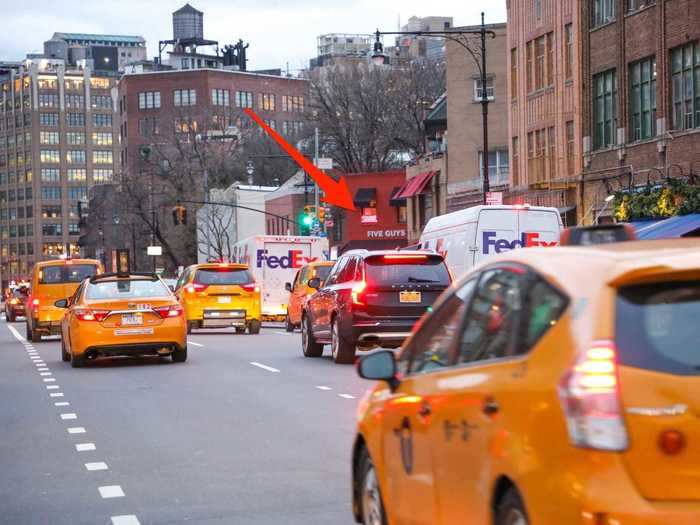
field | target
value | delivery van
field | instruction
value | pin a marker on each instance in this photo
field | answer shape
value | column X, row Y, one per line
column 274, row 261
column 467, row 237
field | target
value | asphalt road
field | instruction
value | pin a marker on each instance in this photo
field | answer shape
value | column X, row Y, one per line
column 247, row 431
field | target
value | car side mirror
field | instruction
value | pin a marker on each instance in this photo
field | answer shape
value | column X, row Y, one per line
column 61, row 303
column 288, row 287
column 172, row 287
column 379, row 366
column 314, row 283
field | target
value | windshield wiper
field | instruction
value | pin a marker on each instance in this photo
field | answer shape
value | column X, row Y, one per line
column 419, row 280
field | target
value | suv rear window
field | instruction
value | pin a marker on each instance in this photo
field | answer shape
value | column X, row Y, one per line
column 656, row 327
column 410, row 270
column 222, row 276
column 66, row 273
column 322, row 272
column 127, row 289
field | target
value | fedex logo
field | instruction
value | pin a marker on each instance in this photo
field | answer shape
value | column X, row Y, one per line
column 499, row 245
column 293, row 259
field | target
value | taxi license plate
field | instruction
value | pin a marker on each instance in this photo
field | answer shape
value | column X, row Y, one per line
column 409, row 297
column 224, row 299
column 132, row 320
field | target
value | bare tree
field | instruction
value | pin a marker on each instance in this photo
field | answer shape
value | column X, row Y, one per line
column 371, row 117
column 214, row 225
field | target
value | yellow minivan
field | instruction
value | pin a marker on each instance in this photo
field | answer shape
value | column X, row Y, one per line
column 218, row 295
column 51, row 281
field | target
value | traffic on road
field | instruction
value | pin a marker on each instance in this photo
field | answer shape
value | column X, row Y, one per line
column 545, row 385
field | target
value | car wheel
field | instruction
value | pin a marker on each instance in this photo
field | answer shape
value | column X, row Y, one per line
column 308, row 344
column 254, row 327
column 371, row 504
column 240, row 329
column 10, row 318
column 288, row 325
column 27, row 332
column 35, row 336
column 343, row 352
column 77, row 361
column 511, row 510
column 64, row 354
column 179, row 355
column 190, row 326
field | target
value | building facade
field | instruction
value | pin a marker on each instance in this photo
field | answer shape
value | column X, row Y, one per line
column 102, row 53
column 58, row 138
column 544, row 101
column 640, row 97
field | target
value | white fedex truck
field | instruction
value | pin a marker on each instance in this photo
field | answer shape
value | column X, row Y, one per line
column 274, row 260
column 467, row 237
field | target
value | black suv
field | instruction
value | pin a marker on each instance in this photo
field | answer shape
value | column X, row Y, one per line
column 369, row 299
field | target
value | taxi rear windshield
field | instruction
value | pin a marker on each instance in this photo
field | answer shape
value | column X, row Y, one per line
column 417, row 270
column 322, row 272
column 66, row 273
column 656, row 327
column 222, row 276
column 127, row 289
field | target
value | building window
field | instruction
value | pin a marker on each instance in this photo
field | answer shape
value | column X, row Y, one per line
column 642, row 99
column 48, row 119
column 47, row 83
column 76, row 193
column 73, row 84
column 184, row 97
column 292, row 127
column 540, row 52
column 101, row 102
column 48, row 101
column 604, row 109
column 266, row 101
column 49, row 156
column 102, row 157
column 76, row 119
column 50, row 175
column 51, row 229
column 570, row 149
column 634, row 5
column 101, row 139
column 685, row 77
column 148, row 126
column 75, row 138
column 478, row 94
column 425, row 208
column 498, row 167
column 552, row 153
column 75, row 101
column 73, row 228
column 514, row 73
column 149, row 100
column 550, row 58
column 219, row 97
column 515, row 150
column 99, row 83
column 76, row 175
column 244, row 99
column 102, row 120
column 603, row 12
column 102, row 176
column 75, row 156
column 51, row 193
column 185, row 125
column 569, row 51
column 538, row 9
column 48, row 137
column 293, row 104
column 52, row 248
column 402, row 214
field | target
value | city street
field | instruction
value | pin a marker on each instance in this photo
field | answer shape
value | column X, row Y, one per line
column 246, row 431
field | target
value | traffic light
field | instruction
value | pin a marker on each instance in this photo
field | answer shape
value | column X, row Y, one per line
column 321, row 214
column 306, row 219
column 179, row 215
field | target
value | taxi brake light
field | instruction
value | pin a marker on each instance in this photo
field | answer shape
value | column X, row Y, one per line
column 91, row 315
column 13, row 301
column 35, row 302
column 195, row 287
column 590, row 396
column 174, row 310
column 252, row 287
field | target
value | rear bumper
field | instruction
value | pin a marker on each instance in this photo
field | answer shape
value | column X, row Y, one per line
column 223, row 318
column 119, row 341
column 46, row 327
column 197, row 312
column 15, row 310
column 154, row 348
column 369, row 333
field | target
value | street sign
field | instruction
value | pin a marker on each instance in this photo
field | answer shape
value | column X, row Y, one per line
column 329, row 223
column 494, row 198
column 154, row 250
column 324, row 163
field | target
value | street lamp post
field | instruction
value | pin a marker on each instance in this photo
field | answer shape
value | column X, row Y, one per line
column 479, row 57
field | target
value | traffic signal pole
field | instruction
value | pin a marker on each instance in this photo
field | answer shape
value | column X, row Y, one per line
column 316, row 196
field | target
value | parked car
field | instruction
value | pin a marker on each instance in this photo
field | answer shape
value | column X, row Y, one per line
column 299, row 291
column 371, row 298
column 540, row 393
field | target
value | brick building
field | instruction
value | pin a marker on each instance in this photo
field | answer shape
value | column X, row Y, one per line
column 640, row 97
column 544, row 94
column 58, row 138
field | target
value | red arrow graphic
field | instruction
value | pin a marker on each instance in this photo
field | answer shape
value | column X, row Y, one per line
column 337, row 193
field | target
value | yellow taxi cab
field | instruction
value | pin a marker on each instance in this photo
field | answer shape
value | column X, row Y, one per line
column 550, row 386
column 51, row 281
column 122, row 314
column 217, row 295
column 299, row 290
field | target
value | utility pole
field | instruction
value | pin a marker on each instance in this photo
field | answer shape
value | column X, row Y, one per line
column 316, row 196
column 484, row 111
column 153, row 220
column 208, row 214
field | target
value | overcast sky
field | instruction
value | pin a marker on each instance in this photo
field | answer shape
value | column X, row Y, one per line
column 279, row 31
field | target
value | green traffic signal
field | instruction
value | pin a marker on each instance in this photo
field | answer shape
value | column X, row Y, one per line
column 307, row 220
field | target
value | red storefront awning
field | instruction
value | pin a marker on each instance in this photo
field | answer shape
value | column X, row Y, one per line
column 415, row 185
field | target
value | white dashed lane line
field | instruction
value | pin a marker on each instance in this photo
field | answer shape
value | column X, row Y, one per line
column 125, row 520
column 264, row 367
column 52, row 387
column 84, row 447
column 76, row 430
column 61, row 404
column 98, row 465
column 346, row 396
column 49, row 379
column 111, row 491
column 56, row 394
column 323, row 387
column 194, row 344
column 69, row 416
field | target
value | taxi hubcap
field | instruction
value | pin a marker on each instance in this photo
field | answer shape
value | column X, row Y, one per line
column 371, row 501
column 515, row 517
column 304, row 329
column 334, row 340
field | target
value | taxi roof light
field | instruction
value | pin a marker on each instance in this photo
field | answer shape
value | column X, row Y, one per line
column 590, row 396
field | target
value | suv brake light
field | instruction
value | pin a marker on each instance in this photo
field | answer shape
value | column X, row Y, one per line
column 196, row 287
column 91, row 315
column 590, row 396
column 166, row 311
column 252, row 287
column 405, row 258
column 357, row 292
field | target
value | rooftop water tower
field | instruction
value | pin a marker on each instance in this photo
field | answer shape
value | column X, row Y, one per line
column 188, row 24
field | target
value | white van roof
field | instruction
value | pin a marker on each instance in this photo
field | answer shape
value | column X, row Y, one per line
column 471, row 214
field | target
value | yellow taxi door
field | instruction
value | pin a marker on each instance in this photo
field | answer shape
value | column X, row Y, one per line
column 484, row 397
column 409, row 419
column 297, row 295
